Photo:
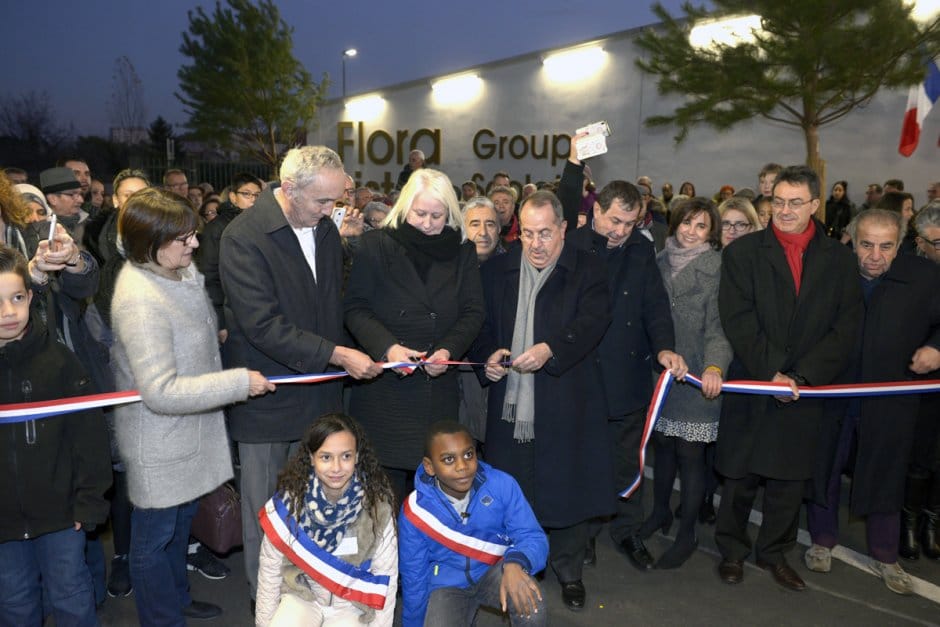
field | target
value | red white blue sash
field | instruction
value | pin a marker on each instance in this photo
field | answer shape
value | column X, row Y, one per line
column 488, row 549
column 339, row 577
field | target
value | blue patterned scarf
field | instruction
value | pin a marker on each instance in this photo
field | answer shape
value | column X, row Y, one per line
column 325, row 522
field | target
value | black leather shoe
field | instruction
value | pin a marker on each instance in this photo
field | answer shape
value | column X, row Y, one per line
column 199, row 610
column 635, row 550
column 731, row 571
column 590, row 554
column 572, row 593
column 784, row 575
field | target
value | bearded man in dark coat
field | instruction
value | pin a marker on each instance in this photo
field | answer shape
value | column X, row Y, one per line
column 790, row 305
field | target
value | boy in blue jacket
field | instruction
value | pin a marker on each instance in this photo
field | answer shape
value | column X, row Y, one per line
column 467, row 538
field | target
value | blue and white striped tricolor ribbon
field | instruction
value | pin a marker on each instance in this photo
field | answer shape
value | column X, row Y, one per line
column 770, row 389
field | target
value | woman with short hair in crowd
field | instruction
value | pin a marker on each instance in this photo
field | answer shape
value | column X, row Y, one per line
column 173, row 442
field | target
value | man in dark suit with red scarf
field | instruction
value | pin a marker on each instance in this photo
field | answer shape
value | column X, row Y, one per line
column 790, row 305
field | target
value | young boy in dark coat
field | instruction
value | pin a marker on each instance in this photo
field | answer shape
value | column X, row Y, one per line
column 53, row 471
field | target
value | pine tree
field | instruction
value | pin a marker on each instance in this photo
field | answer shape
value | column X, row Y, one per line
column 244, row 90
column 811, row 63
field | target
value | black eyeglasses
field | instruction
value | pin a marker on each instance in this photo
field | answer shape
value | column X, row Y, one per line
column 935, row 243
column 795, row 203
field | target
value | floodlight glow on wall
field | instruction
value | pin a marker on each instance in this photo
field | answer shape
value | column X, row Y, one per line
column 728, row 31
column 574, row 65
column 457, row 89
column 924, row 10
column 365, row 108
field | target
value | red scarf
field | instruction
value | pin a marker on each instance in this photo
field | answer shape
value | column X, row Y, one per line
column 793, row 247
column 510, row 232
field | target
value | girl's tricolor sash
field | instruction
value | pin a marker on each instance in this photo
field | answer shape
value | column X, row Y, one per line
column 488, row 550
column 339, row 577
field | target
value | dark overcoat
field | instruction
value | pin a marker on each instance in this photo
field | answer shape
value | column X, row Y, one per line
column 572, row 461
column 641, row 323
column 387, row 303
column 902, row 314
column 281, row 321
column 773, row 329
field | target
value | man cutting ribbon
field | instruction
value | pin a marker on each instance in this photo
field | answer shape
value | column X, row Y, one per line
column 790, row 305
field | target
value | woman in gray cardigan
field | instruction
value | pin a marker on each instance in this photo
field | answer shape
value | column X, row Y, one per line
column 173, row 442
column 691, row 266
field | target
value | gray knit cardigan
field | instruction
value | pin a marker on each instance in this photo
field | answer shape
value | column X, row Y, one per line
column 174, row 442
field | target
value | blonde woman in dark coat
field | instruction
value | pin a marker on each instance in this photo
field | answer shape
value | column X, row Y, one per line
column 414, row 294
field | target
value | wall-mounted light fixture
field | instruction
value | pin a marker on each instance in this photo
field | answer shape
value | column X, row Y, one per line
column 365, row 108
column 727, row 31
column 574, row 65
column 459, row 89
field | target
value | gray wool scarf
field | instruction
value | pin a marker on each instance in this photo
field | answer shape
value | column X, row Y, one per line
column 519, row 404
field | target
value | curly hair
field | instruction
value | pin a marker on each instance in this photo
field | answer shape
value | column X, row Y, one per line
column 293, row 480
column 13, row 209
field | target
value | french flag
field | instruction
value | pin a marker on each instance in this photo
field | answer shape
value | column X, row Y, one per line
column 919, row 101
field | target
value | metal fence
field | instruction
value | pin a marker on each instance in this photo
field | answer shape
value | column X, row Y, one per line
column 217, row 173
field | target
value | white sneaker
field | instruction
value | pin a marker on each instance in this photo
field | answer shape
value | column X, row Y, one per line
column 894, row 576
column 818, row 559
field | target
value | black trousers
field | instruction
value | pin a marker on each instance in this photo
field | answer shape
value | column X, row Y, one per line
column 781, row 512
column 566, row 546
column 624, row 434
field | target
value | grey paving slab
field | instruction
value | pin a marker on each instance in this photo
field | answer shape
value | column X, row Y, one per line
column 692, row 595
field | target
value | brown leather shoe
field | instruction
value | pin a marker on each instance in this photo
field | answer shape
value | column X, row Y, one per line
column 731, row 571
column 784, row 575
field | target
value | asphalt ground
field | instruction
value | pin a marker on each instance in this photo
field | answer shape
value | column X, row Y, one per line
column 618, row 594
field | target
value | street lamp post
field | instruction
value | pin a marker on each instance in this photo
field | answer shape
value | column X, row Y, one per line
column 349, row 53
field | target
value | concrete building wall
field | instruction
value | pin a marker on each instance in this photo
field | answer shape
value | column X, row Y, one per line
column 520, row 120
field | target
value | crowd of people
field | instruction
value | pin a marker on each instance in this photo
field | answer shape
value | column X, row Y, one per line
column 500, row 350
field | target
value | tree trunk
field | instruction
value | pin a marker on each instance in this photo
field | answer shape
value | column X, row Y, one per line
column 813, row 160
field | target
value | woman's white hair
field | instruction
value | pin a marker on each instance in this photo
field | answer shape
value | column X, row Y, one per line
column 437, row 186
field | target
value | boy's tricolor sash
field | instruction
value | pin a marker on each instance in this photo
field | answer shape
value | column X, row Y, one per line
column 488, row 550
column 339, row 577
